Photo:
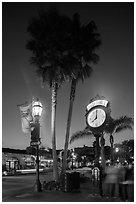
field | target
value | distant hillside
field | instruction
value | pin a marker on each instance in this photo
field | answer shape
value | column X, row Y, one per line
column 17, row 151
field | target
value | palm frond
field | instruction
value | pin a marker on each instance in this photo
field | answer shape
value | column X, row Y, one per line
column 124, row 120
column 119, row 124
column 123, row 127
column 64, row 43
column 81, row 134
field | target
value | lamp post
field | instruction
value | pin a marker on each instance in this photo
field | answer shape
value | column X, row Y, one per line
column 37, row 111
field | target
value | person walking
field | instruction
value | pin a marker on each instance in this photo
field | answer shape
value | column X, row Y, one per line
column 111, row 181
column 126, row 183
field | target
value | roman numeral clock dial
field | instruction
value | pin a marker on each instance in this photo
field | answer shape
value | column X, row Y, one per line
column 96, row 117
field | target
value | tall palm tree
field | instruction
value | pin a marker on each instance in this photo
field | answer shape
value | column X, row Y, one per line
column 84, row 41
column 114, row 126
column 49, row 42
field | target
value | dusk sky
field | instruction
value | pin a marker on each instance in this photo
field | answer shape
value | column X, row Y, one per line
column 113, row 76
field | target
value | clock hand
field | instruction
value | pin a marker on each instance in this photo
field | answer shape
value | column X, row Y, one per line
column 95, row 116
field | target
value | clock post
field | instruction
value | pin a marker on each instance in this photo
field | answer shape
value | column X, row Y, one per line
column 97, row 147
column 97, row 117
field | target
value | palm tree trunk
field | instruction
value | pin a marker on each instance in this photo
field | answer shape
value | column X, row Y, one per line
column 72, row 97
column 53, row 121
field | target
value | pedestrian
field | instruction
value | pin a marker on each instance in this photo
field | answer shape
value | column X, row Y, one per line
column 111, row 180
column 127, row 184
column 122, row 190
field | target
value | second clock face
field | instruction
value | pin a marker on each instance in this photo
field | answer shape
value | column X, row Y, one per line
column 96, row 117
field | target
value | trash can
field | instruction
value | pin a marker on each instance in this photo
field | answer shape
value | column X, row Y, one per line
column 67, row 182
column 75, row 180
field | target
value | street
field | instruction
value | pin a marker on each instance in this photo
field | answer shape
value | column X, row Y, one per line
column 15, row 186
column 21, row 189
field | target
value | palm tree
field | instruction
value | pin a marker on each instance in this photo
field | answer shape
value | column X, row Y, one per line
column 116, row 126
column 88, row 133
column 49, row 42
column 84, row 41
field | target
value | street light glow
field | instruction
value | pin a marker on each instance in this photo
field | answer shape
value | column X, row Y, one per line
column 116, row 149
column 37, row 108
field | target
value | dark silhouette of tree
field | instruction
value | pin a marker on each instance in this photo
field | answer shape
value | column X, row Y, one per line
column 126, row 150
column 116, row 126
column 31, row 150
column 84, row 41
column 49, row 42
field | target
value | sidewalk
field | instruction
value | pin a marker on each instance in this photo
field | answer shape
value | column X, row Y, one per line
column 84, row 195
column 54, row 196
column 87, row 193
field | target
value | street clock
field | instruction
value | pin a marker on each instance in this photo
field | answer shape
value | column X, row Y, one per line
column 97, row 114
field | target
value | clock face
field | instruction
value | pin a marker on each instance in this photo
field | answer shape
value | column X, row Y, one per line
column 96, row 117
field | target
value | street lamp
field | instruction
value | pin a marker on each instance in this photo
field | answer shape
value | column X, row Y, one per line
column 116, row 149
column 36, row 112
